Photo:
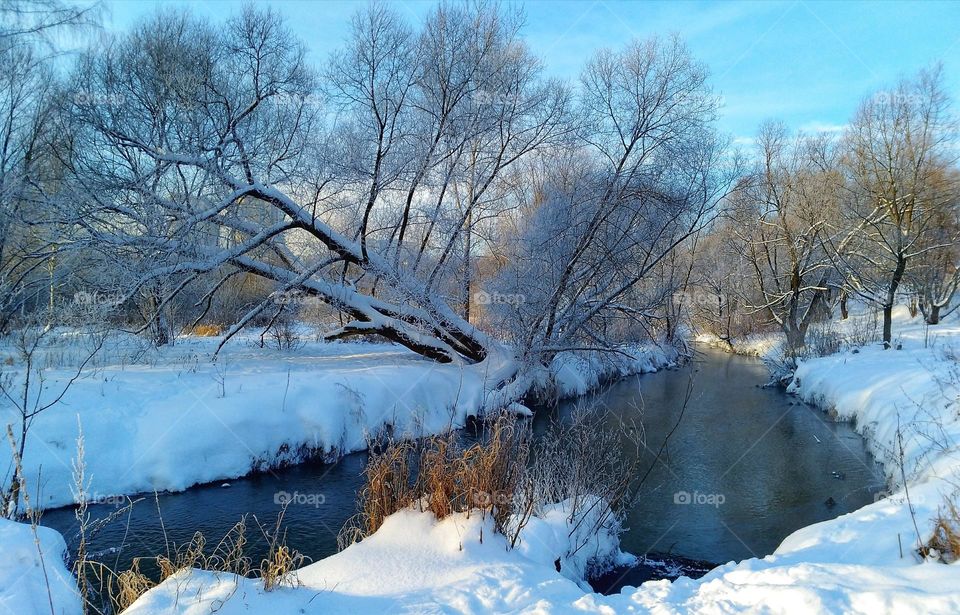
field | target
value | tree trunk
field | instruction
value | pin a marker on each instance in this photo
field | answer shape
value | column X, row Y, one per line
column 933, row 318
column 161, row 326
column 844, row 314
column 467, row 272
column 891, row 296
column 161, row 333
column 887, row 325
column 795, row 339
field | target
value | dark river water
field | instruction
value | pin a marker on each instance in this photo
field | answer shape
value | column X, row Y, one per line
column 744, row 467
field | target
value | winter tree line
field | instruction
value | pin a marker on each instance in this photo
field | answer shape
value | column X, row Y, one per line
column 429, row 184
column 871, row 214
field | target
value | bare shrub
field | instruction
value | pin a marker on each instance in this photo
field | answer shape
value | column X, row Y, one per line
column 592, row 462
column 823, row 340
column 781, row 363
column 25, row 387
column 863, row 330
column 282, row 332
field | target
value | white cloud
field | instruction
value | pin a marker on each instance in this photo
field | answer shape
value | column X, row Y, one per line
column 817, row 127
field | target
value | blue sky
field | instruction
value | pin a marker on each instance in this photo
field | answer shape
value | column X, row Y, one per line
column 806, row 63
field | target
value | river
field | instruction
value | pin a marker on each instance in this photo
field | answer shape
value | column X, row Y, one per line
column 743, row 468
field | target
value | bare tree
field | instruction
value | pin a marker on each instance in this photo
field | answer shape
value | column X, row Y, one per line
column 210, row 124
column 935, row 274
column 216, row 157
column 42, row 20
column 781, row 220
column 24, row 250
column 651, row 175
column 25, row 386
column 898, row 143
column 29, row 268
column 371, row 80
column 720, row 292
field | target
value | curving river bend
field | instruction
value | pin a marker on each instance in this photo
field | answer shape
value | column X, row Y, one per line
column 744, row 468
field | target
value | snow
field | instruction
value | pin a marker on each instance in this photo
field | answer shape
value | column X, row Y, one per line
column 914, row 387
column 753, row 345
column 251, row 409
column 862, row 562
column 577, row 373
column 23, row 575
column 414, row 563
column 143, row 411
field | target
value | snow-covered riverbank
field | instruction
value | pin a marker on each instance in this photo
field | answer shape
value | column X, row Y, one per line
column 171, row 419
column 863, row 562
column 175, row 419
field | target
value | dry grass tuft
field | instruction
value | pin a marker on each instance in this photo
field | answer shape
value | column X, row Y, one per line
column 280, row 566
column 440, row 475
column 116, row 591
column 131, row 584
column 388, row 487
column 492, row 472
column 946, row 533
